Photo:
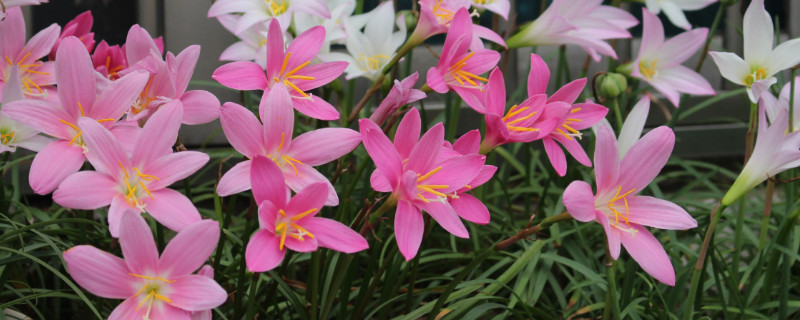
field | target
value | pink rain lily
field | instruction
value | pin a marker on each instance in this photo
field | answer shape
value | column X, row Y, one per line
column 500, row 7
column 80, row 27
column 621, row 212
column 14, row 134
column 775, row 151
column 168, row 80
column 266, row 11
column 418, row 181
column 36, row 76
column 521, row 122
column 761, row 62
column 78, row 97
column 467, row 206
column 152, row 287
column 568, row 123
column 674, row 9
column 459, row 68
column 288, row 70
column 139, row 182
column 402, row 93
column 659, row 62
column 291, row 223
column 774, row 106
column 586, row 23
column 109, row 60
column 436, row 17
column 295, row 157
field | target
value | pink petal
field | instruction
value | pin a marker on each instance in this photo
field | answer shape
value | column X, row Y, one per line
column 126, row 132
column 310, row 197
column 278, row 118
column 645, row 159
column 42, row 42
column 12, row 33
column 435, row 81
column 236, row 180
column 242, row 129
column 262, row 253
column 579, row 201
column 488, row 34
column 659, row 213
column 471, row 209
column 667, row 90
column 606, row 159
column 306, row 176
column 323, row 145
column 315, row 107
column 158, row 135
column 241, row 75
column 129, row 309
column 118, row 97
column 86, row 190
column 612, row 234
column 172, row 209
column 407, row 134
column 685, row 80
column 275, row 46
column 556, row 156
column 196, row 293
column 99, row 272
column 589, row 113
column 569, row 92
column 538, row 77
column 469, row 143
column 184, row 254
column 199, row 107
column 652, row 36
column 138, row 246
column 472, row 97
column 305, row 47
column 575, row 149
column 408, row 229
column 648, row 252
column 267, row 181
column 444, row 214
column 378, row 182
column 496, row 93
column 486, row 173
column 335, row 235
column 138, row 45
column 457, row 172
column 53, row 164
column 427, row 150
column 119, row 206
column 682, row 47
column 308, row 244
column 174, row 167
column 381, row 150
column 40, row 115
column 186, row 61
column 323, row 73
column 75, row 76
column 106, row 153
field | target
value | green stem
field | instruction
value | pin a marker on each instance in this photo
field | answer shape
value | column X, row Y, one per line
column 701, row 260
column 737, row 238
column 612, row 305
column 749, row 138
column 339, row 274
column 714, row 26
column 314, row 285
column 762, row 239
column 791, row 101
column 617, row 113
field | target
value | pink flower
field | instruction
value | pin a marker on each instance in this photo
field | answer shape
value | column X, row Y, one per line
column 80, row 27
column 467, row 206
column 291, row 223
column 78, row 97
column 402, row 93
column 520, row 123
column 436, row 16
column 500, row 7
column 621, row 212
column 109, row 60
column 153, row 287
column 168, row 80
column 14, row 134
column 459, row 67
column 35, row 76
column 290, row 68
column 261, row 11
column 411, row 170
column 580, row 116
column 295, row 157
column 139, row 182
column 659, row 62
column 586, row 23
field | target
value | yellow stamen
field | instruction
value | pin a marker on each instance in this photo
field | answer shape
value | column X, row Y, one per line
column 283, row 213
column 648, row 72
column 290, row 84
column 283, row 136
column 515, row 110
column 303, row 231
column 513, row 128
column 285, row 62
column 303, row 214
column 289, row 161
column 283, row 238
column 429, row 174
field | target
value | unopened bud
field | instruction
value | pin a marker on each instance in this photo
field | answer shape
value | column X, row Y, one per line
column 612, row 84
column 410, row 19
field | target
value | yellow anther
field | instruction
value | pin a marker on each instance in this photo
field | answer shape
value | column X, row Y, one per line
column 145, row 177
column 283, row 136
column 289, row 160
column 285, row 62
column 648, row 72
column 283, row 213
column 283, row 238
column 612, row 205
column 525, row 129
column 303, row 214
column 150, row 278
column 7, row 137
column 429, row 174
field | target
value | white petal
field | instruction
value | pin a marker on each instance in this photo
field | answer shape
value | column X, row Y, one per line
column 731, row 66
column 758, row 33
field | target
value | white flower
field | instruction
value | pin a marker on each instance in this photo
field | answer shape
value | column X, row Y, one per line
column 253, row 41
column 335, row 33
column 674, row 9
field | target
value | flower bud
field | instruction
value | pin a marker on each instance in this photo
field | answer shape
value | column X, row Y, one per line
column 612, row 84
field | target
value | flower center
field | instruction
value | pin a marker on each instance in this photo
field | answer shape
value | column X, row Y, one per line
column 759, row 74
column 8, row 137
column 277, row 8
column 516, row 113
column 443, row 15
column 113, row 72
column 612, row 205
column 288, row 226
column 151, row 290
column 281, row 159
column 77, row 138
column 26, row 71
column 648, row 72
column 571, row 132
column 144, row 98
column 372, row 63
column 290, row 76
column 132, row 184
column 430, row 188
column 463, row 76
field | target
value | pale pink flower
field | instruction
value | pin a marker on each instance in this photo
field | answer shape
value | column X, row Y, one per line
column 436, row 16
column 14, row 134
column 402, row 93
column 291, row 223
column 81, row 28
column 586, row 23
column 152, row 287
column 659, row 62
column 459, row 68
column 252, row 44
column 296, row 157
column 500, row 7
column 266, row 11
column 467, row 206
column 621, row 212
column 288, row 69
column 774, row 106
column 411, row 170
column 568, row 123
column 37, row 77
column 78, row 97
column 139, row 182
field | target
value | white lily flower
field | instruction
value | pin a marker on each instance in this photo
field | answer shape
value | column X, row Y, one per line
column 674, row 9
column 761, row 62
column 256, row 11
column 369, row 51
column 335, row 33
column 14, row 134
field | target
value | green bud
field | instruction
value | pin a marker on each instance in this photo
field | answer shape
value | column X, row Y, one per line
column 612, row 84
column 410, row 18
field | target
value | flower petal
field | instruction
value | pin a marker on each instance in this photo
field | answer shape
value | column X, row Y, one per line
column 277, row 115
column 236, row 180
column 53, row 164
column 242, row 129
column 138, row 246
column 381, row 150
column 335, row 235
column 262, row 253
column 172, row 209
column 75, row 77
column 758, row 33
column 158, row 135
column 557, row 157
column 241, row 75
column 184, row 253
column 174, row 167
column 658, row 213
column 645, row 159
column 731, row 66
column 324, row 145
column 199, row 107
column 118, row 96
column 579, row 201
column 408, row 229
column 606, row 159
column 315, row 107
column 196, row 293
column 538, row 77
column 633, row 126
column 86, row 190
column 612, row 235
column 306, row 176
column 427, row 150
column 569, row 92
column 471, row 209
column 444, row 214
column 267, row 182
column 648, row 252
column 99, row 272
column 407, row 134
